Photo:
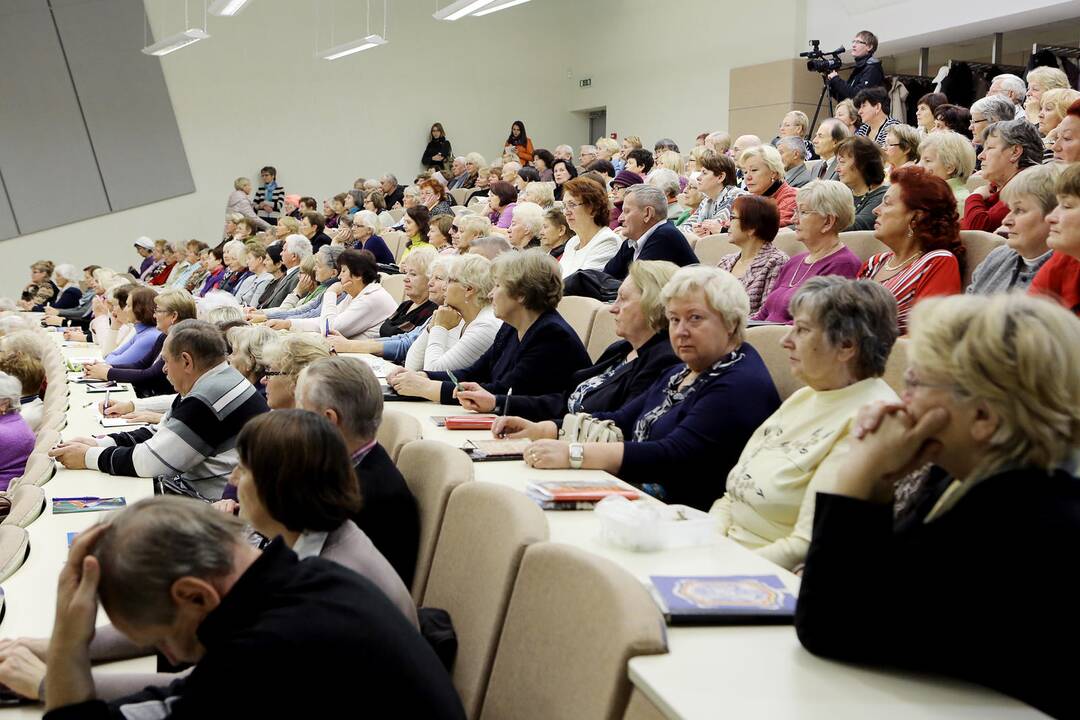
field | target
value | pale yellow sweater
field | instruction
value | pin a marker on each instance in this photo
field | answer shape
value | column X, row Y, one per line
column 769, row 503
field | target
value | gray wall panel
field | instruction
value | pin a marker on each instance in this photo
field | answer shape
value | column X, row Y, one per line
column 125, row 101
column 45, row 154
column 8, row 228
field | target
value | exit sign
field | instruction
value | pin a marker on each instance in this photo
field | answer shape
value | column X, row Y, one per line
column 586, row 82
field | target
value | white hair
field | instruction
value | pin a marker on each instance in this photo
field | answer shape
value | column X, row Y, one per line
column 214, row 301
column 68, row 272
column 298, row 245
column 368, row 219
column 1012, row 84
column 10, row 390
column 412, row 191
column 237, row 249
column 667, row 181
column 7, row 305
column 531, row 216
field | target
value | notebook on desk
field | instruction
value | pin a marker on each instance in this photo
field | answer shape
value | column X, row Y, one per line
column 724, row 600
column 495, row 450
column 576, row 494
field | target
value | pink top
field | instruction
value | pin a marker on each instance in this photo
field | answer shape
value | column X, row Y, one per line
column 795, row 272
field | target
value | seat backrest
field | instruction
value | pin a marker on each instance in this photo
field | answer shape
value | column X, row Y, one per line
column 46, row 440
column 710, row 249
column 691, row 239
column 974, row 182
column 396, row 431
column 575, row 620
column 40, row 469
column 787, row 242
column 27, row 504
column 397, row 213
column 578, row 312
column 396, row 241
column 484, row 533
column 766, row 340
column 897, row 365
column 460, row 195
column 14, row 547
column 977, row 245
column 863, row 243
column 393, row 284
column 432, row 470
column 603, row 333
column 459, row 210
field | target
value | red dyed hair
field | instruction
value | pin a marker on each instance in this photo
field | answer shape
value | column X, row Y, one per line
column 758, row 215
column 936, row 223
column 436, row 187
column 1074, row 109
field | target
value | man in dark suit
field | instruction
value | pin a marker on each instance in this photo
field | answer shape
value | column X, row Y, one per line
column 649, row 234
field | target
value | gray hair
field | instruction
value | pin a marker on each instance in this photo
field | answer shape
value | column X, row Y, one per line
column 237, row 249
column 859, row 313
column 1019, row 133
column 298, row 245
column 565, row 150
column 995, row 107
column 249, row 343
column 589, row 149
column 204, row 342
column 224, row 314
column 328, row 255
column 724, row 294
column 1012, row 84
column 836, row 128
column 490, row 246
column 10, row 390
column 348, row 386
column 649, row 196
column 68, row 271
column 150, row 545
column 389, row 176
column 794, row 142
column 666, row 181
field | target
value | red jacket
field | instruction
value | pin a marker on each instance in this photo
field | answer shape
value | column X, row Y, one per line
column 984, row 213
column 1059, row 278
column 785, row 203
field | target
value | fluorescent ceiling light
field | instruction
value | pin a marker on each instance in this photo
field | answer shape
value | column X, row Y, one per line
column 227, row 8
column 353, row 46
column 499, row 6
column 460, row 8
column 177, row 41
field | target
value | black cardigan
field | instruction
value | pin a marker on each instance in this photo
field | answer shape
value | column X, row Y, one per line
column 403, row 320
column 147, row 375
column 665, row 243
column 984, row 592
column 626, row 383
column 389, row 515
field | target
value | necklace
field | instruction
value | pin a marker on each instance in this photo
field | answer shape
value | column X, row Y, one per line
column 796, row 280
column 891, row 268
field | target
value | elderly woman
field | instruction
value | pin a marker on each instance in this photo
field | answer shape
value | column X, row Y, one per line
column 534, row 352
column 555, row 233
column 839, row 343
column 683, row 435
column 1060, row 276
column 16, row 438
column 439, row 235
column 285, row 360
column 859, row 166
column 951, row 157
column 375, row 201
column 317, row 273
column 825, row 207
column 249, row 347
column 954, row 118
column 240, row 202
column 542, row 160
column 846, row 113
column 541, row 193
column 501, row 199
column 365, row 236
column 238, row 278
column 1053, row 108
column 588, row 212
column 138, row 311
column 261, row 267
column 1030, row 197
column 993, row 402
column 189, row 268
column 917, row 221
column 924, row 111
column 626, row 369
column 689, row 199
column 901, row 146
column 30, row 373
column 526, row 225
column 110, row 327
column 213, row 261
column 1067, row 143
column 563, row 171
column 67, row 277
column 465, row 326
column 467, row 228
column 172, row 257
column 1039, row 81
column 873, row 105
column 362, row 309
column 417, row 307
column 1008, row 148
column 41, row 289
column 763, row 175
column 433, row 196
column 754, row 224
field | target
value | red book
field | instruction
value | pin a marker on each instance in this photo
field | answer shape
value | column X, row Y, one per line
column 469, row 422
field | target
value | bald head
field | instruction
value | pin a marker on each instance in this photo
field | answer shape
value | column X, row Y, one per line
column 742, row 143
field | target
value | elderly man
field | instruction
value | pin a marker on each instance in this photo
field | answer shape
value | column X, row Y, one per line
column 1012, row 87
column 192, row 449
column 719, row 142
column 293, row 252
column 393, row 194
column 510, row 171
column 586, row 155
column 829, row 134
column 564, row 152
column 177, row 575
column 460, row 174
column 792, row 151
column 667, row 182
column 741, row 144
column 649, row 234
column 986, row 111
column 345, row 391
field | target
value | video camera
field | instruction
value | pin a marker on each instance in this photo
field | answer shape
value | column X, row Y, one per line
column 822, row 62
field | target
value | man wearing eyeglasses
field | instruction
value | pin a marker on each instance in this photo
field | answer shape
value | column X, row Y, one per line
column 867, row 72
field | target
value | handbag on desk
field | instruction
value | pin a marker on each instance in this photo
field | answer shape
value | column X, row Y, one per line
column 584, row 428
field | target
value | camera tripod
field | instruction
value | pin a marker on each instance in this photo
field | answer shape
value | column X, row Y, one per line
column 825, row 94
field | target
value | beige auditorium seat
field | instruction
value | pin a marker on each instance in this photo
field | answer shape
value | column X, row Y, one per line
column 14, row 548
column 578, row 312
column 691, row 239
column 40, row 469
column 393, row 284
column 641, row 708
column 575, row 620
column 897, row 365
column 484, row 533
column 27, row 504
column 460, row 195
column 786, row 242
column 710, row 249
column 766, row 340
column 863, row 243
column 977, row 245
column 397, row 213
column 602, row 335
column 396, row 431
column 396, row 241
column 459, row 210
column 46, row 440
column 432, row 470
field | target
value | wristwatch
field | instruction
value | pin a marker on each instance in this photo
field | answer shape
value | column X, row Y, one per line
column 577, row 455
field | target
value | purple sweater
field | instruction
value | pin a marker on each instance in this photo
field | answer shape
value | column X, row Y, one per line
column 794, row 273
column 16, row 444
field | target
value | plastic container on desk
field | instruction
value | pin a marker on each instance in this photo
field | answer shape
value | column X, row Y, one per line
column 647, row 527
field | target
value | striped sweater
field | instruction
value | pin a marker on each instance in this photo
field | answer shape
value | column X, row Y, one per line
column 935, row 273
column 277, row 199
column 196, row 438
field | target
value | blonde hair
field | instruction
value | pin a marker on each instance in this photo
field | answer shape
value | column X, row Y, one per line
column 290, row 222
column 723, row 293
column 953, row 150
column 420, row 260
column 236, row 248
column 1049, row 78
column 177, row 301
column 475, row 271
column 1018, row 354
column 532, row 275
column 240, row 182
column 849, row 107
column 1037, row 181
column 634, row 140
column 250, row 344
column 650, row 277
column 908, row 139
column 295, row 352
column 1059, row 99
column 531, row 215
column 673, row 161
column 541, row 193
column 307, row 266
column 768, row 154
column 608, row 145
column 829, row 197
column 800, row 118
column 477, row 225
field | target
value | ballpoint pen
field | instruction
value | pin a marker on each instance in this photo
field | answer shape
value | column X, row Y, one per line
column 506, row 405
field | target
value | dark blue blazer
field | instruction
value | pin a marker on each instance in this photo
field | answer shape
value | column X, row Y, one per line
column 665, row 243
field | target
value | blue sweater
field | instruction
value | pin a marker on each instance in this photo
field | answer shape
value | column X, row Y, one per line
column 135, row 347
column 378, row 247
column 691, row 448
column 396, row 347
column 543, row 361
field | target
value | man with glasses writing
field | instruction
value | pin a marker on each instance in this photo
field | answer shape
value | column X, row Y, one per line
column 867, row 72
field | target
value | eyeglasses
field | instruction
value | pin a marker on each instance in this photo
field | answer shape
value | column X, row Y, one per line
column 889, row 144
column 911, row 382
column 571, row 205
column 274, row 373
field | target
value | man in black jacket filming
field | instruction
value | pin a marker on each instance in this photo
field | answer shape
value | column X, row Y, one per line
column 867, row 72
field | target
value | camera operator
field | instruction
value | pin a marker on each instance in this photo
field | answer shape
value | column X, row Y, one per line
column 867, row 72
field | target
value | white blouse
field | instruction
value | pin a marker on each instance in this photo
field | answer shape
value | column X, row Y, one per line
column 593, row 256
